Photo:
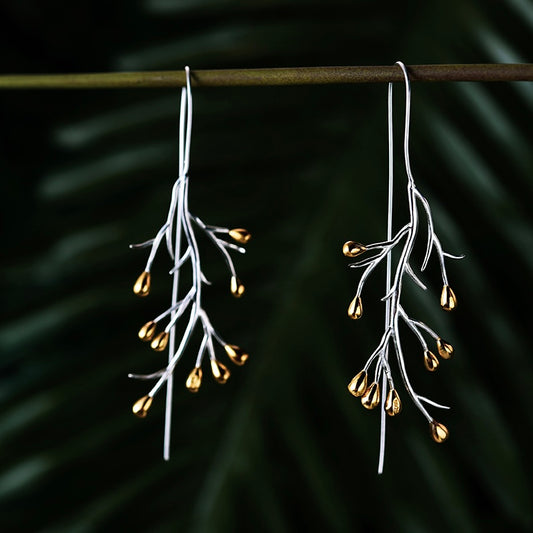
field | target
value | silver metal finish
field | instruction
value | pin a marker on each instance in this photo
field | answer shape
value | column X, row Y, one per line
column 178, row 229
column 406, row 238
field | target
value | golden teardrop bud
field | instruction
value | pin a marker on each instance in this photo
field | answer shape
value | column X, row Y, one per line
column 430, row 361
column 448, row 301
column 194, row 380
column 236, row 354
column 240, row 235
column 353, row 249
column 147, row 332
column 142, row 285
column 358, row 384
column 393, row 404
column 355, row 309
column 439, row 432
column 159, row 343
column 141, row 406
column 445, row 349
column 236, row 287
column 220, row 372
column 370, row 398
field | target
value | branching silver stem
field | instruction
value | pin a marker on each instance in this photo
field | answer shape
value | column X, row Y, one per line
column 179, row 227
column 370, row 395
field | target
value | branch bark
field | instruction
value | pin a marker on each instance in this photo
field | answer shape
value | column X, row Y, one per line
column 270, row 76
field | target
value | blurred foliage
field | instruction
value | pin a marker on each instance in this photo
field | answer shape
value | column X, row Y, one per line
column 283, row 446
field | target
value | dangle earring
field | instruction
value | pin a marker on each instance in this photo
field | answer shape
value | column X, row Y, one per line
column 180, row 225
column 367, row 388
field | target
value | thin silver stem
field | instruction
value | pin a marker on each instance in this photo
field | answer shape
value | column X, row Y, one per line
column 413, row 327
column 180, row 310
column 431, row 402
column 171, row 216
column 388, row 277
column 403, row 372
column 193, row 319
column 175, row 281
column 219, row 244
column 155, row 247
column 178, row 264
column 168, row 311
column 201, row 351
column 423, row 326
column 154, row 375
column 144, row 244
column 381, row 347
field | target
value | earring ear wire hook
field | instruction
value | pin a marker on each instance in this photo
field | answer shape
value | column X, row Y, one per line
column 390, row 203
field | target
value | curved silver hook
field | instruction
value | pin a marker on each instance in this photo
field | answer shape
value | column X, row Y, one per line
column 185, row 134
column 407, row 120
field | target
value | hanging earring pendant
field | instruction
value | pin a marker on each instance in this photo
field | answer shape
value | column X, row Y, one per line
column 180, row 228
column 394, row 312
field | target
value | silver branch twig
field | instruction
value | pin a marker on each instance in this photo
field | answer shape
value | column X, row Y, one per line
column 359, row 386
column 181, row 224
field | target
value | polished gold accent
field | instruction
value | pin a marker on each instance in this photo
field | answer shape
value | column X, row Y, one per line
column 194, row 379
column 220, row 372
column 430, row 361
column 159, row 343
column 142, row 285
column 240, row 235
column 393, row 404
column 236, row 354
column 236, row 287
column 445, row 349
column 358, row 384
column 147, row 332
column 439, row 432
column 370, row 398
column 353, row 249
column 448, row 301
column 141, row 406
column 355, row 309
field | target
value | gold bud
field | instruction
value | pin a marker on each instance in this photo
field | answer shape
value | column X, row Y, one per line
column 445, row 349
column 355, row 309
column 159, row 343
column 448, row 301
column 236, row 287
column 194, row 380
column 439, row 432
column 236, row 354
column 430, row 361
column 358, row 384
column 141, row 406
column 240, row 235
column 393, row 404
column 147, row 332
column 370, row 398
column 142, row 285
column 219, row 371
column 353, row 249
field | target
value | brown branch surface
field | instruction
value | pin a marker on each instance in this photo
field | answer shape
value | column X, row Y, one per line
column 270, row 76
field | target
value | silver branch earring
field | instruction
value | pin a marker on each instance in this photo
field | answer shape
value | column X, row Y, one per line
column 179, row 228
column 371, row 394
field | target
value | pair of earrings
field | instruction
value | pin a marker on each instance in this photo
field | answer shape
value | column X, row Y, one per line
column 181, row 225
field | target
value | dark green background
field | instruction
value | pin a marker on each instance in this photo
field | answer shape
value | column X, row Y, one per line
column 283, row 446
